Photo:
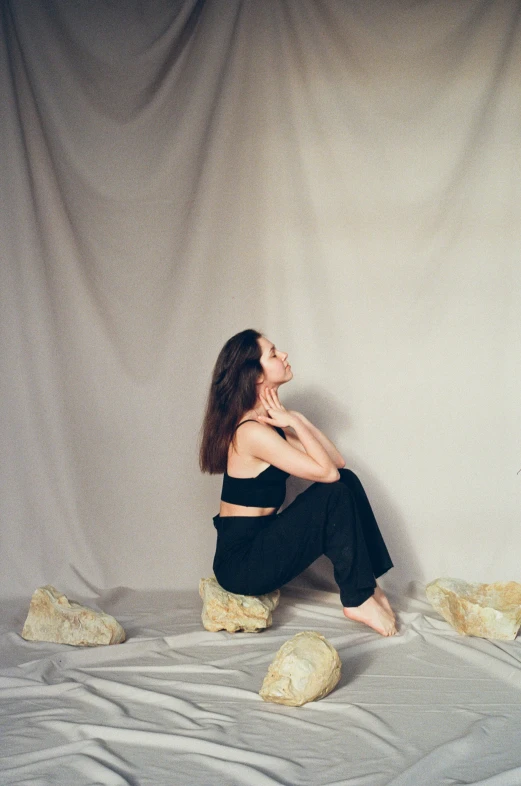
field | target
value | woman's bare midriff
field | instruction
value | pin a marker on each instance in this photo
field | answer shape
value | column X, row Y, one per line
column 229, row 509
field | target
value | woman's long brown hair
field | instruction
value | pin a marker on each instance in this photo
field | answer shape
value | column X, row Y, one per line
column 232, row 393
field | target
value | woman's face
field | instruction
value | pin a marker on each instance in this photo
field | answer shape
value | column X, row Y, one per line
column 274, row 362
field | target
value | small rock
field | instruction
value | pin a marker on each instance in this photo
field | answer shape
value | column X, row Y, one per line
column 52, row 617
column 224, row 610
column 305, row 668
column 492, row 611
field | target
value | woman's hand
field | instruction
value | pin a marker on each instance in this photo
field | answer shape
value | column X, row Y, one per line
column 270, row 400
column 278, row 415
column 276, row 403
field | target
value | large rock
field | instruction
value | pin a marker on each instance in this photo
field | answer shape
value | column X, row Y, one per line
column 224, row 610
column 305, row 668
column 492, row 611
column 52, row 617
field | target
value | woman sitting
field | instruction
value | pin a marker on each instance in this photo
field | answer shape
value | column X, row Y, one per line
column 250, row 437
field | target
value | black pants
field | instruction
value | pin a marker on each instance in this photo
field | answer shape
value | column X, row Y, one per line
column 256, row 555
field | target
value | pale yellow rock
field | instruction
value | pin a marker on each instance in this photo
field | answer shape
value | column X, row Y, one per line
column 224, row 610
column 492, row 611
column 52, row 617
column 305, row 668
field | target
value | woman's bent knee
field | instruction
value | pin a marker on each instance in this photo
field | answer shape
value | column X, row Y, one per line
column 348, row 474
column 326, row 491
column 349, row 478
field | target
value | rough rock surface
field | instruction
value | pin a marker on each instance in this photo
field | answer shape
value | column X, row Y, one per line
column 223, row 610
column 305, row 668
column 52, row 617
column 492, row 611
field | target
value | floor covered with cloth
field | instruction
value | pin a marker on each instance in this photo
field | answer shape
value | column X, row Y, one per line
column 176, row 704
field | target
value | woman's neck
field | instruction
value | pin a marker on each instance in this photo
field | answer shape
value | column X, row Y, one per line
column 258, row 410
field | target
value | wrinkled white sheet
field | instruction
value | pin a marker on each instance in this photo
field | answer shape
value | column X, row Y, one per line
column 176, row 704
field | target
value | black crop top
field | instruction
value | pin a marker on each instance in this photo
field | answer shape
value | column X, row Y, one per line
column 266, row 490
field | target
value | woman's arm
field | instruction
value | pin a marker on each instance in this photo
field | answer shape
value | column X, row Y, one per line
column 326, row 443
column 271, row 400
column 311, row 463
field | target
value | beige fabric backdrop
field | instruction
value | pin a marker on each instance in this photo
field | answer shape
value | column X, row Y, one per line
column 344, row 176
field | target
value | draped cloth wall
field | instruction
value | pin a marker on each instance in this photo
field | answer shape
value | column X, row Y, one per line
column 345, row 177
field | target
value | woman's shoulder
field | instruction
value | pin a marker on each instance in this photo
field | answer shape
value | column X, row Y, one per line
column 251, row 426
column 253, row 435
column 247, row 420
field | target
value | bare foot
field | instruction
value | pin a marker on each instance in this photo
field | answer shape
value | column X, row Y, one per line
column 381, row 598
column 371, row 613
